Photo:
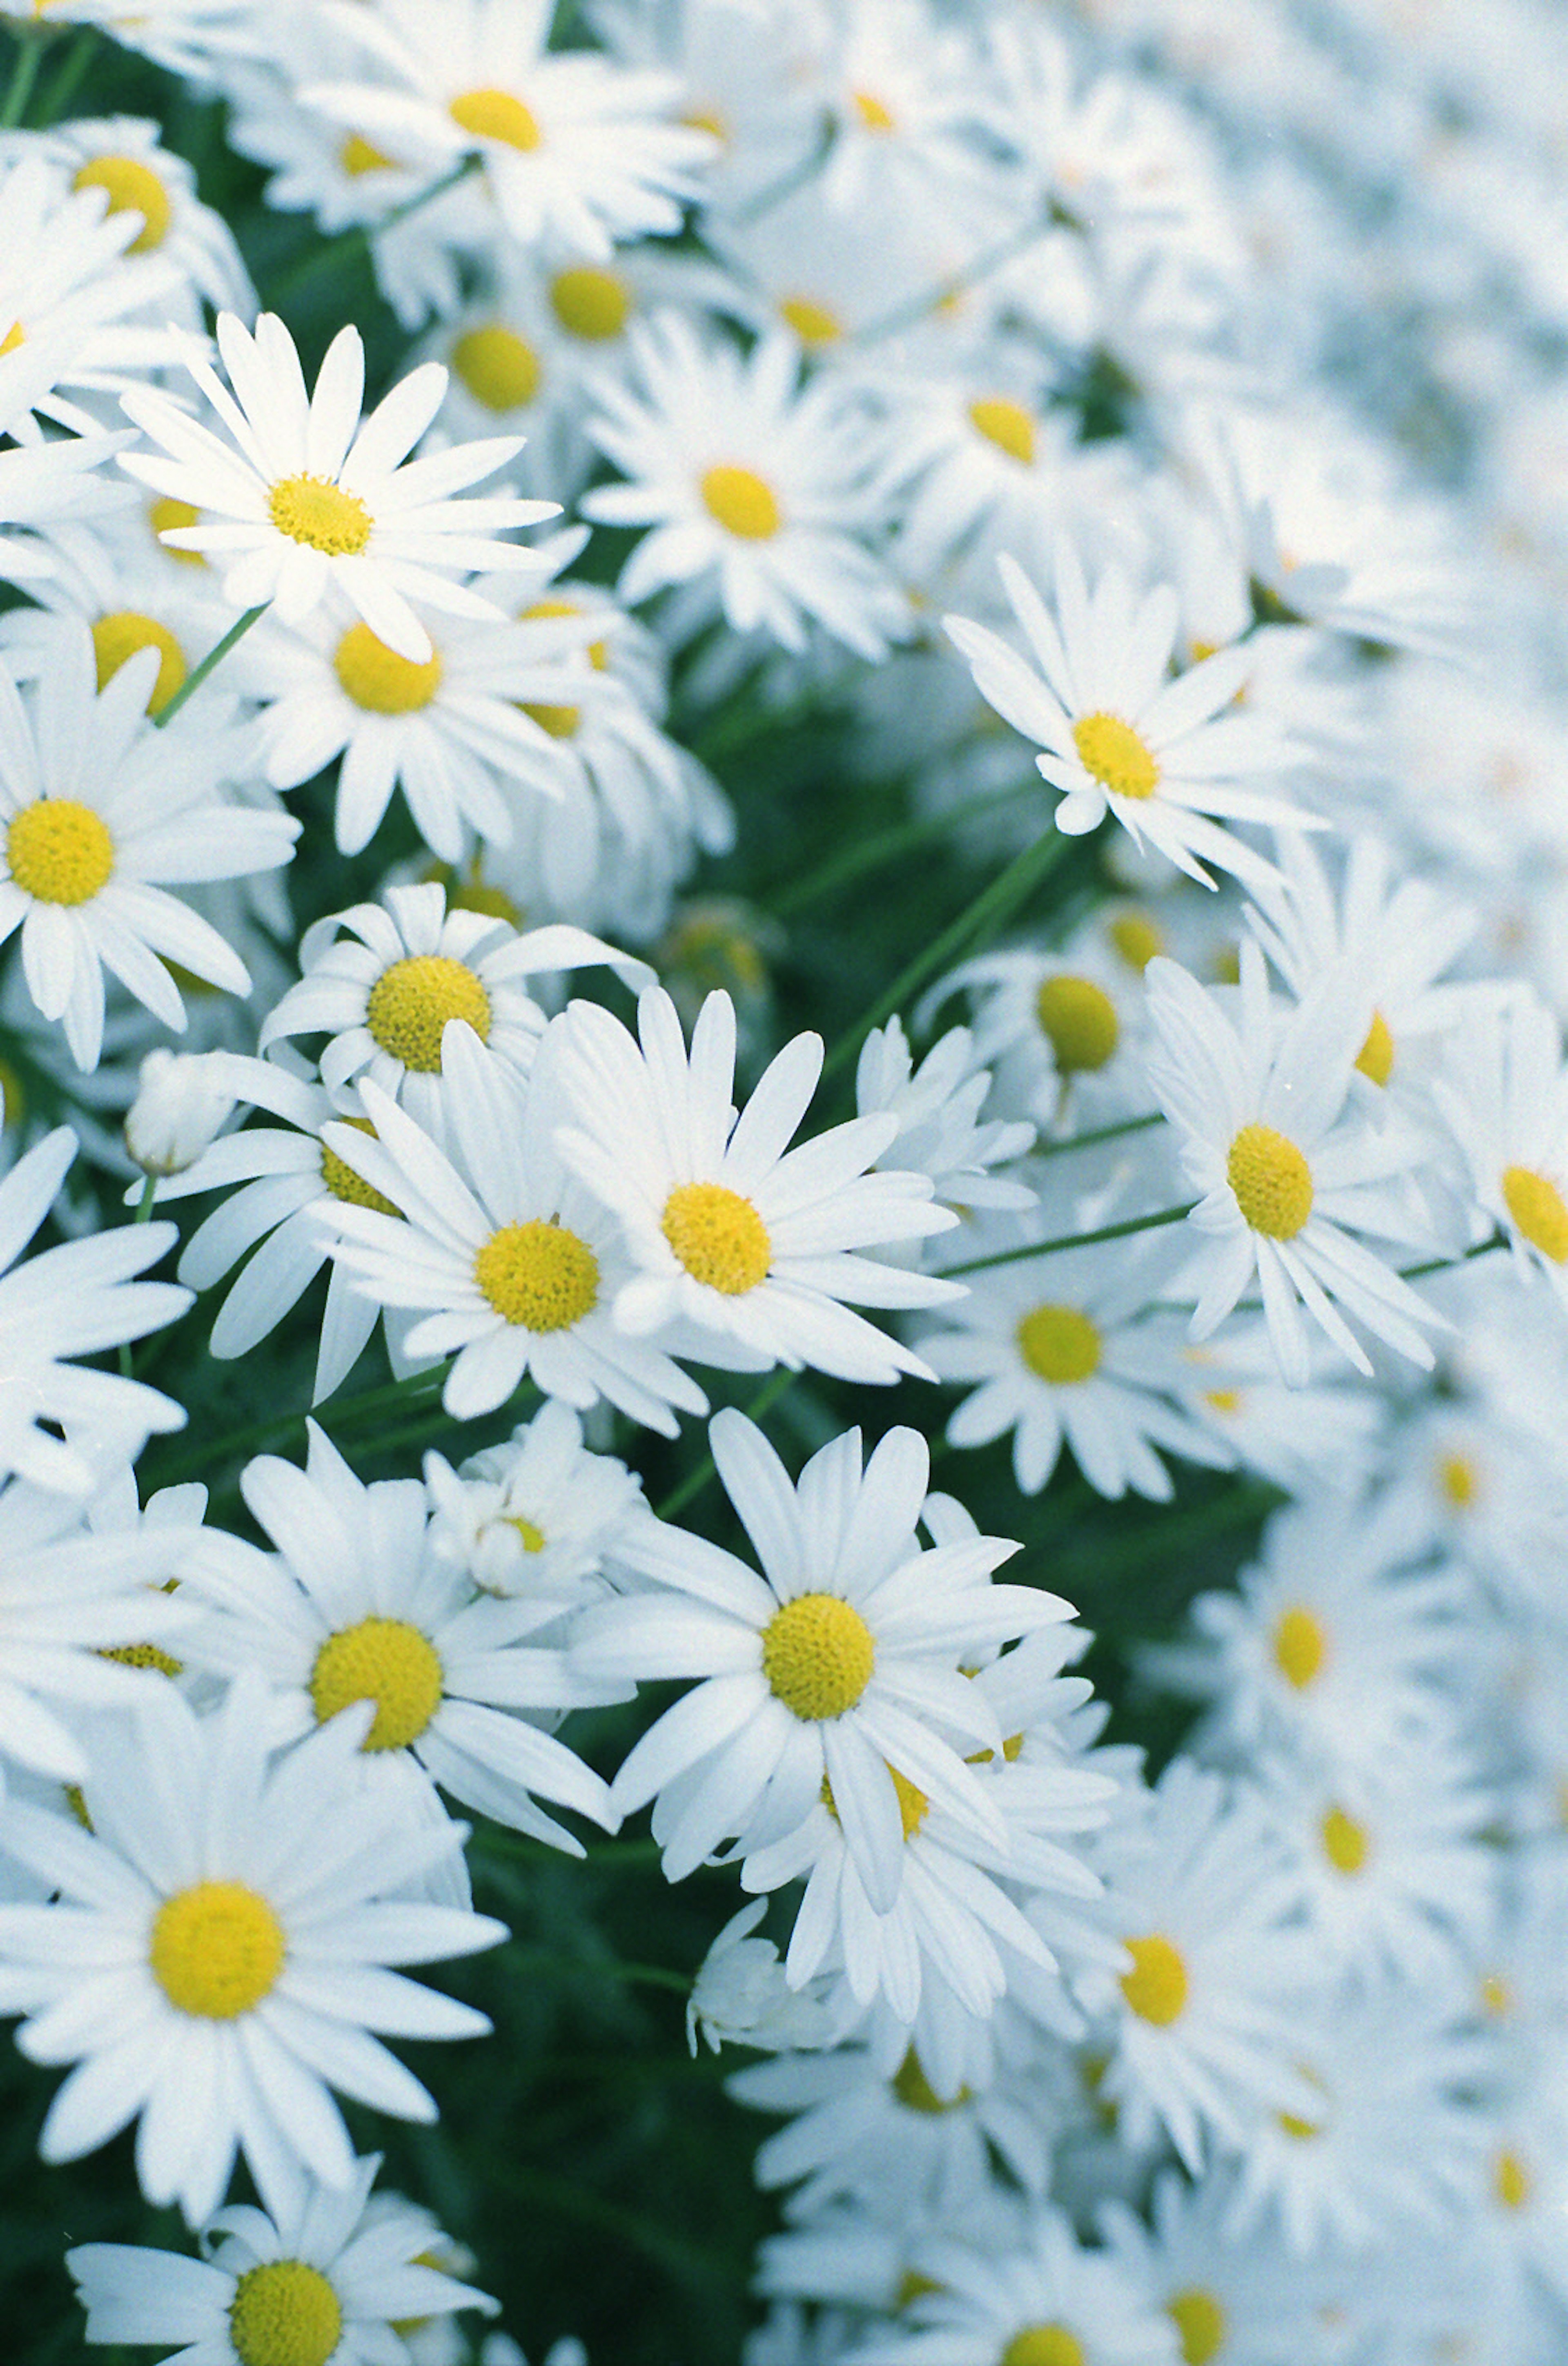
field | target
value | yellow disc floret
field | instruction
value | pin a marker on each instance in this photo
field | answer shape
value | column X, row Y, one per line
column 411, row 1001
column 143, row 1655
column 874, row 113
column 1201, row 2325
column 719, row 1237
column 818, row 1656
column 134, row 187
column 500, row 368
column 539, row 1276
column 915, row 2090
column 386, row 1660
column 590, row 303
column 1537, row 1208
column 378, row 680
column 344, row 1183
column 356, row 156
column 1117, row 758
column 1301, row 1646
column 119, row 636
column 284, row 2314
column 310, row 510
column 1375, row 1058
column 741, row 502
column 1059, row 1345
column 1044, row 2345
column 1346, row 1843
column 1079, row 1020
column 560, row 722
column 1511, row 2180
column 1006, row 424
column 814, row 323
column 59, row 851
column 499, row 115
column 216, row 1949
column 1271, row 1180
column 533, row 1538
column 1136, row 939
column 1156, row 1988
column 166, row 515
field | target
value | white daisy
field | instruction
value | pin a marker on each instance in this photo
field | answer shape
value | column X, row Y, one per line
column 1118, row 735
column 1505, row 1098
column 124, row 155
column 937, row 1106
column 750, row 1247
column 539, row 1516
column 305, row 496
column 217, row 1956
column 334, row 2277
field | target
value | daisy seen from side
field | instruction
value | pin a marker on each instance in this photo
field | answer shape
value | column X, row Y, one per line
column 1505, row 1101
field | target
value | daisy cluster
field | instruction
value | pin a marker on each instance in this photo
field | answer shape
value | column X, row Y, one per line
column 1121, row 448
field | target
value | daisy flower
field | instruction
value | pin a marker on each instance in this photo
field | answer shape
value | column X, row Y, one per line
column 539, row 1516
column 1118, row 735
column 124, row 155
column 95, row 807
column 305, row 497
column 754, row 485
column 749, row 1247
column 217, row 1953
column 75, row 1300
column 938, row 1108
column 336, row 2276
column 1504, row 1099
column 1287, row 1180
column 836, row 1666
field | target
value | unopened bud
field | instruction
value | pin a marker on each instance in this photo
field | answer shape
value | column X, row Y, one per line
column 176, row 1113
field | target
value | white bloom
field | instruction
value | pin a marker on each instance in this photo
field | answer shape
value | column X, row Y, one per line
column 179, row 1109
column 1505, row 1102
column 539, row 1516
column 742, row 1998
column 937, row 1106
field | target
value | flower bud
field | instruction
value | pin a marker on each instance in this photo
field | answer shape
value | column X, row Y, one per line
column 176, row 1112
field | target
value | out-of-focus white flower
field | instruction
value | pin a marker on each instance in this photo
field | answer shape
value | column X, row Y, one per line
column 179, row 1109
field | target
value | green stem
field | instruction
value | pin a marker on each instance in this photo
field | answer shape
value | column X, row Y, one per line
column 1100, row 1133
column 257, row 1435
column 920, row 308
column 697, row 1478
column 213, row 658
column 1068, row 1240
column 24, row 74
column 609, row 1967
column 350, row 242
column 63, row 89
column 888, row 845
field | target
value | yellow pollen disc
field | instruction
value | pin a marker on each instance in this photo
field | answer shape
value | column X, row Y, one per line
column 165, row 515
column 741, row 502
column 344, row 1183
column 1200, row 2322
column 598, row 651
column 915, row 2090
column 378, row 680
column 1375, row 1058
column 872, row 114
column 307, row 509
column 382, row 1660
column 539, row 1276
column 1079, row 1020
column 1271, row 1180
column 497, row 115
column 1346, row 1843
column 1059, row 1345
column 560, row 722
column 1511, row 2180
column 143, row 1655
column 1300, row 1646
column 58, row 851
column 533, row 1537
column 1456, row 1477
column 709, row 119
column 595, row 305
column 499, row 368
column 412, row 1002
column 134, row 187
column 1222, row 1400
column 1044, row 2345
column 216, row 1950
column 719, row 1237
column 912, row 1803
column 13, row 1094
column 1004, row 424
column 1136, row 939
column 14, row 335
column 77, row 1804
column 357, row 156
column 1113, row 752
column 1156, row 1988
column 118, row 637
column 284, row 2314
column 1496, row 1996
column 1537, row 1208
column 817, row 1655
column 913, row 2286
column 814, row 323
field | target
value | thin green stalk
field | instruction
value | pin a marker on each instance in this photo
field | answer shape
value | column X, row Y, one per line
column 1057, row 1149
column 63, row 90
column 24, row 74
column 889, row 846
column 920, row 308
column 350, row 242
column 697, row 1478
column 256, row 1436
column 213, row 658
column 1068, row 1240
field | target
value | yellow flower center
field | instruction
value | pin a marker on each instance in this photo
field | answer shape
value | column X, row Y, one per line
column 719, row 1237
column 874, row 114
column 912, row 1806
column 1293, row 2123
column 1200, row 2322
column 143, row 1655
column 595, row 305
column 166, row 513
column 284, row 2314
column 134, row 187
column 1117, row 758
column 1079, row 1020
column 1375, row 1058
column 1300, row 1646
column 1271, row 1180
column 1537, row 1208
column 913, row 2286
column 118, row 637
column 560, row 722
column 1496, row 1996
column 344, row 1183
column 378, row 680
column 216, row 1949
column 814, row 323
column 497, row 115
column 1346, row 1843
column 1156, row 1988
column 1044, row 2345
column 1457, row 1479
column 1136, row 939
column 598, row 651
column 533, row 1537
column 818, row 1656
column 498, row 366
column 1511, row 2180
column 309, row 510
column 1222, row 1400
column 1059, row 1345
column 915, row 2090
column 357, row 156
column 741, row 502
column 382, row 1660
column 539, row 1276
column 14, row 335
column 411, row 1003
column 58, row 851
column 1006, row 424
